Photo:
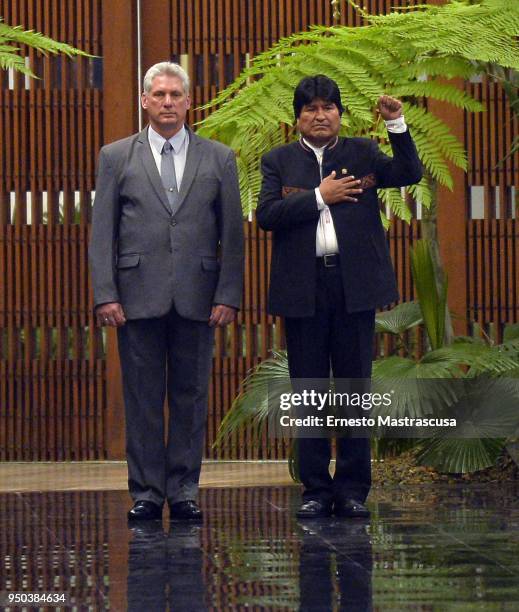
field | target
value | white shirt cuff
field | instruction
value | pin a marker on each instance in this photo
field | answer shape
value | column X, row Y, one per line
column 397, row 126
column 320, row 202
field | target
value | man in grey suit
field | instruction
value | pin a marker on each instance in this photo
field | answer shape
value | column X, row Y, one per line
column 166, row 256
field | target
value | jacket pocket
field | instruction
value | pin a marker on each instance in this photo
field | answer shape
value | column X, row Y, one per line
column 128, row 261
column 210, row 264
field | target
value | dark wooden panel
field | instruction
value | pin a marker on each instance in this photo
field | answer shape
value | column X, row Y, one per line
column 50, row 381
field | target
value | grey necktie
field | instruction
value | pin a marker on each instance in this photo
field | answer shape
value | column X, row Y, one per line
column 167, row 173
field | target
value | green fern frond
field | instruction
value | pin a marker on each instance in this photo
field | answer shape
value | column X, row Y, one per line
column 439, row 91
column 348, row 72
column 421, row 193
column 439, row 132
column 431, row 158
column 446, row 67
column 389, row 55
column 459, row 29
column 36, row 40
column 10, row 60
column 11, row 55
column 396, row 202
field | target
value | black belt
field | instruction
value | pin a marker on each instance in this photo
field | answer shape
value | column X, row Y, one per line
column 329, row 261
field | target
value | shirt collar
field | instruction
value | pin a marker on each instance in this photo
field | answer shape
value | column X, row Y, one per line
column 157, row 141
column 319, row 150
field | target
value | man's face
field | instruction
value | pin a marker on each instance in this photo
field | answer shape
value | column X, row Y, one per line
column 166, row 104
column 319, row 122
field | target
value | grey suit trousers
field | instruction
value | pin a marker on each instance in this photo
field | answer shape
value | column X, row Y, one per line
column 171, row 356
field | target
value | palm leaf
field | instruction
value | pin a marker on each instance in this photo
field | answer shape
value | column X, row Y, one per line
column 399, row 319
column 415, row 397
column 433, row 300
column 486, row 413
column 453, row 455
column 258, row 399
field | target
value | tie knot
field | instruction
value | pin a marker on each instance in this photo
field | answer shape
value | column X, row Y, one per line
column 167, row 147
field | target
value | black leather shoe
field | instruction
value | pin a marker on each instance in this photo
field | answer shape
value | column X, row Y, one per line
column 187, row 510
column 314, row 509
column 144, row 510
column 350, row 508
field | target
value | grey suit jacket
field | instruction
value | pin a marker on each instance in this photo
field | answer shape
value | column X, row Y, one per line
column 149, row 257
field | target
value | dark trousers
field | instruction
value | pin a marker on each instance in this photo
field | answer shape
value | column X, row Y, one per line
column 340, row 342
column 168, row 354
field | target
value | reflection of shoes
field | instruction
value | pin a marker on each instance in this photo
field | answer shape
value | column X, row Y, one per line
column 313, row 527
column 184, row 530
column 350, row 508
column 144, row 510
column 187, row 510
column 184, row 536
column 314, row 509
column 148, row 531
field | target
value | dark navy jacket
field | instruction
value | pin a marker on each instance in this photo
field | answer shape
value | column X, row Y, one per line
column 288, row 208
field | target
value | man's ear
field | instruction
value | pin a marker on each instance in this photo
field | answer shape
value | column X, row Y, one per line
column 188, row 101
column 144, row 100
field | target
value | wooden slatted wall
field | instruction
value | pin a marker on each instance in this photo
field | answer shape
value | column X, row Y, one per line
column 53, row 366
column 493, row 211
column 52, row 388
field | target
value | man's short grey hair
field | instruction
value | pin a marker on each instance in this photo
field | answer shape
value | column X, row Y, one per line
column 169, row 68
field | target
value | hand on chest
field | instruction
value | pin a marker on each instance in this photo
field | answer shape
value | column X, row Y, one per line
column 306, row 170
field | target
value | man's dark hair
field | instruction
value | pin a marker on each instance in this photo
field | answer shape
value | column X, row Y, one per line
column 318, row 86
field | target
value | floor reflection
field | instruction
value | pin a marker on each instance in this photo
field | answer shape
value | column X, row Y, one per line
column 427, row 548
column 165, row 568
column 335, row 566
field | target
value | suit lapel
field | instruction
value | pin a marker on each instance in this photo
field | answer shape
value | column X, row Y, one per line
column 194, row 155
column 148, row 161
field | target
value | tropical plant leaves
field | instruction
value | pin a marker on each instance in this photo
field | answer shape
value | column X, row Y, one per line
column 399, row 319
column 432, row 299
column 11, row 36
column 258, row 399
column 404, row 53
column 454, row 455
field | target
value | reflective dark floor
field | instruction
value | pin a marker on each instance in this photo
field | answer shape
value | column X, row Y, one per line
column 425, row 548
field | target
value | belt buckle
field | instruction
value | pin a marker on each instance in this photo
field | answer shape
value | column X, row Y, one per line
column 331, row 258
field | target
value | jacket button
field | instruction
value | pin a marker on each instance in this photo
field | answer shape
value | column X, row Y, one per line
column 173, row 222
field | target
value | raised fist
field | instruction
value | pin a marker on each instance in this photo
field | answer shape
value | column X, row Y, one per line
column 389, row 108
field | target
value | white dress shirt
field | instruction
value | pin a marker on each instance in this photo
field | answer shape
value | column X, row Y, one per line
column 179, row 142
column 326, row 239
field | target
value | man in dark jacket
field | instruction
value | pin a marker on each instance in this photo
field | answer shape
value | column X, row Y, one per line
column 331, row 267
